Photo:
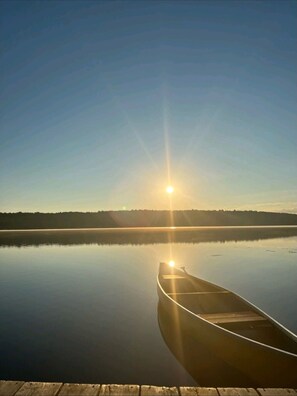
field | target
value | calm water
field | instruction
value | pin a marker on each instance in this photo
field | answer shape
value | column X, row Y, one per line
column 88, row 312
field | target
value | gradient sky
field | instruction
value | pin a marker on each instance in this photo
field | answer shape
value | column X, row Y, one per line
column 103, row 101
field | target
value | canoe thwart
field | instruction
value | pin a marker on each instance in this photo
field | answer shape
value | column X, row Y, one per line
column 231, row 317
column 173, row 276
column 197, row 293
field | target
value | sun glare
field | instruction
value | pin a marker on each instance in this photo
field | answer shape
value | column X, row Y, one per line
column 171, row 263
column 169, row 189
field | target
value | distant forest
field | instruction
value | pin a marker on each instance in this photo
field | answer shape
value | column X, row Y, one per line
column 143, row 218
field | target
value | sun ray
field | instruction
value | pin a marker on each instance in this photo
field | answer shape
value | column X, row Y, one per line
column 166, row 138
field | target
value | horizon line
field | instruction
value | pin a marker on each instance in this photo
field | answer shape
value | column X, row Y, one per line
column 152, row 210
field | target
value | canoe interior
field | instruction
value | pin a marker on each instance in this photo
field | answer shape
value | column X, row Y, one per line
column 223, row 308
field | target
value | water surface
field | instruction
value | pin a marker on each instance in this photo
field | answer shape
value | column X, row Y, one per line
column 87, row 311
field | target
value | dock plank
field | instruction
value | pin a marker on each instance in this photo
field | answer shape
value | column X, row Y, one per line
column 276, row 392
column 197, row 391
column 150, row 390
column 79, row 390
column 237, row 392
column 39, row 389
column 9, row 388
column 21, row 388
column 119, row 390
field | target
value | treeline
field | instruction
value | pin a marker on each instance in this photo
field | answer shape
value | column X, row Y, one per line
column 143, row 218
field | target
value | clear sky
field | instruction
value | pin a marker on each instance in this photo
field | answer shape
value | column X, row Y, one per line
column 103, row 103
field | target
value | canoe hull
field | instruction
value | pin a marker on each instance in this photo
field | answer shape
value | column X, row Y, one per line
column 266, row 366
column 200, row 362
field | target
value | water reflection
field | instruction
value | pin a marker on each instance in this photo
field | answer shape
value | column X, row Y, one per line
column 142, row 236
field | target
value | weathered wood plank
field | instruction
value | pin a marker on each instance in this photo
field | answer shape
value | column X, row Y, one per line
column 237, row 392
column 149, row 390
column 9, row 388
column 20, row 388
column 196, row 391
column 79, row 390
column 119, row 390
column 277, row 391
column 39, row 389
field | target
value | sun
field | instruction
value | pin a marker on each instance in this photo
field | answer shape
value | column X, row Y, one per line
column 169, row 189
column 171, row 263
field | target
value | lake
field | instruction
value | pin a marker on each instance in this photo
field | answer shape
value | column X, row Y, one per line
column 82, row 306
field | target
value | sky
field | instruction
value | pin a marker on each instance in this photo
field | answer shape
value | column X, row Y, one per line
column 105, row 103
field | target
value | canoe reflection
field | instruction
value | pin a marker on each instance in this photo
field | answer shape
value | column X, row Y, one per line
column 202, row 364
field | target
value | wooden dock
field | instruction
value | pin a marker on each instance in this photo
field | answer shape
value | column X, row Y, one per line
column 21, row 388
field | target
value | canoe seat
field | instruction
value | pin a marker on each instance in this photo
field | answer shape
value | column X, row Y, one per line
column 198, row 293
column 173, row 276
column 233, row 317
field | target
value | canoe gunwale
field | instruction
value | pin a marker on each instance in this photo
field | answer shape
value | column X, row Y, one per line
column 229, row 332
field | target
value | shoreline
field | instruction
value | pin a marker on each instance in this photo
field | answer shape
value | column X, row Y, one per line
column 147, row 229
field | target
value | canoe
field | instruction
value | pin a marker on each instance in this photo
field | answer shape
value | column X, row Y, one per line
column 231, row 327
